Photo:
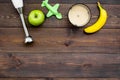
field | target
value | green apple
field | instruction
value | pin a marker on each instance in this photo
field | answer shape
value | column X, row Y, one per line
column 36, row 17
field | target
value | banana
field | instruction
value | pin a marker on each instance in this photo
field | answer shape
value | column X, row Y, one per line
column 100, row 22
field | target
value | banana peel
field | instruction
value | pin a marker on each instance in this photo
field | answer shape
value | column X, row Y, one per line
column 100, row 22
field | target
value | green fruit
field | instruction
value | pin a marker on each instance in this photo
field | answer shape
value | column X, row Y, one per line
column 36, row 17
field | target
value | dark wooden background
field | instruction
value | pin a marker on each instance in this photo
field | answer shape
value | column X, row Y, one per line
column 59, row 52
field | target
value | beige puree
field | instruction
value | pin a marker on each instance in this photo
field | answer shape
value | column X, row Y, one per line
column 79, row 15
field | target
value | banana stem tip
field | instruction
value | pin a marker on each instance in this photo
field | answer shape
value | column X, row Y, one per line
column 98, row 3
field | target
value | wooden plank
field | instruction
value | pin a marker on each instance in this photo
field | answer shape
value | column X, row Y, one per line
column 23, row 79
column 59, row 65
column 87, row 79
column 60, row 40
column 68, row 2
column 60, row 79
column 10, row 19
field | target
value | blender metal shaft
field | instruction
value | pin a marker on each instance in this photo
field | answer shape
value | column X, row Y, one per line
column 28, row 38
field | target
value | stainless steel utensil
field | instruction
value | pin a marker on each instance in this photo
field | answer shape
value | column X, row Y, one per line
column 18, row 4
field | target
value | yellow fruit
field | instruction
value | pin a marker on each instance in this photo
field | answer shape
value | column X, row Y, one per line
column 99, row 23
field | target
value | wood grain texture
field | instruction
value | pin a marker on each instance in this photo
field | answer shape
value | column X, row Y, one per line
column 23, row 79
column 60, row 51
column 59, row 65
column 10, row 16
column 59, row 78
column 60, row 40
column 87, row 79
